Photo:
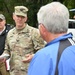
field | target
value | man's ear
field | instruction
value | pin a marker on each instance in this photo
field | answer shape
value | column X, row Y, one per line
column 5, row 21
column 13, row 16
column 42, row 28
column 26, row 18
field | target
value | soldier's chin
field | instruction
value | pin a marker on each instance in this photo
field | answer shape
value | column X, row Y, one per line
column 19, row 27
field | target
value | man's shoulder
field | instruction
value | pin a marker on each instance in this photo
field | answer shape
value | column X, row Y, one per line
column 70, row 48
column 11, row 31
column 9, row 26
column 32, row 28
column 69, row 53
column 68, row 59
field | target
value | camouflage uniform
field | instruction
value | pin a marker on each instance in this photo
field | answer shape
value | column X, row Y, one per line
column 19, row 43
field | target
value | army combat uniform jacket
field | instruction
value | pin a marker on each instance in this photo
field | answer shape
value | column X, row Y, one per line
column 18, row 44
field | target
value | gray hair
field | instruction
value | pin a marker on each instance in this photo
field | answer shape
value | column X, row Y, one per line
column 54, row 16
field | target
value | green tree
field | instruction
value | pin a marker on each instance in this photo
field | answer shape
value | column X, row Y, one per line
column 7, row 8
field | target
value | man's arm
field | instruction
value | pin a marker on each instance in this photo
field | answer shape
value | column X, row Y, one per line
column 40, row 65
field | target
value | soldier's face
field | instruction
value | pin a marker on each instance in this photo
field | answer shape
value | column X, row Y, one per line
column 19, row 20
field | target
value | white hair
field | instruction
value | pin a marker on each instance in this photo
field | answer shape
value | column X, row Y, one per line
column 54, row 16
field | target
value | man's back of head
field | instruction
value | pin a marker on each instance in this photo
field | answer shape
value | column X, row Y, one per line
column 54, row 16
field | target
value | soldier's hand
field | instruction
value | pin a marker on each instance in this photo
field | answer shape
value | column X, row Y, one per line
column 28, row 58
column 2, row 59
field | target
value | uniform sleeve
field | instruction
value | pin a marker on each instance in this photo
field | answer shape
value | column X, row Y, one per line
column 6, row 49
column 37, row 40
column 40, row 65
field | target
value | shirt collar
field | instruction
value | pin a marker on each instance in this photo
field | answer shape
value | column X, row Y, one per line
column 69, row 35
column 2, row 30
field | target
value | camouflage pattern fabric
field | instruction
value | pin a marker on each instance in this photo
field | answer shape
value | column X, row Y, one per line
column 3, row 70
column 19, row 43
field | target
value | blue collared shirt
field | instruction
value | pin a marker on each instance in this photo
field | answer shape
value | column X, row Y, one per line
column 44, row 61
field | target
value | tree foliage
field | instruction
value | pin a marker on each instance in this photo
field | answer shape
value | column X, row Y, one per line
column 7, row 8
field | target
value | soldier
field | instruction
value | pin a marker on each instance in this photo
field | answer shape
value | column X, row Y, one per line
column 4, row 28
column 22, row 42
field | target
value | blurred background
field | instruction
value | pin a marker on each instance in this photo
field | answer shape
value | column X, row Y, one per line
column 7, row 8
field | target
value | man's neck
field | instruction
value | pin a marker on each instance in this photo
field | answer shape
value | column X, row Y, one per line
column 21, row 27
column 54, row 36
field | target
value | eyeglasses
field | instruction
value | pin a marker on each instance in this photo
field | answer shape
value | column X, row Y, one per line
column 39, row 24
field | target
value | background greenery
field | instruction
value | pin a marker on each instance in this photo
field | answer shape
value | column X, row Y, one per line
column 7, row 8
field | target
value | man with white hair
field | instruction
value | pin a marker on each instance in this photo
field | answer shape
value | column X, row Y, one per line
column 53, row 25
